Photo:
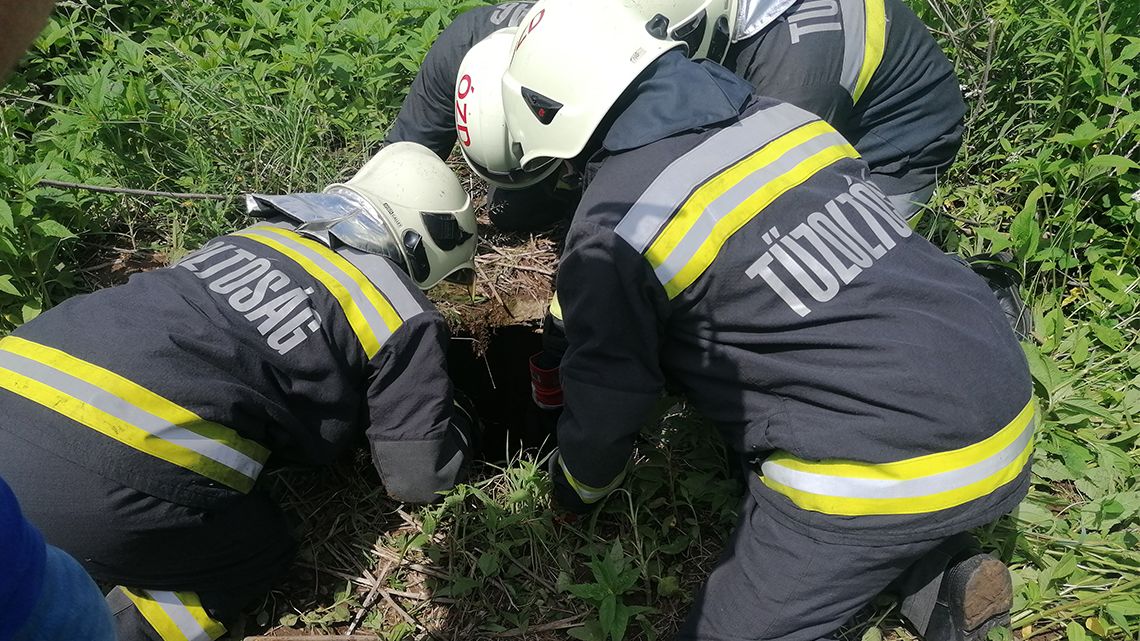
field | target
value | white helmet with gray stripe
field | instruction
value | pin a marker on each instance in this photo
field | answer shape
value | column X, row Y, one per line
column 405, row 204
column 557, row 91
column 480, row 125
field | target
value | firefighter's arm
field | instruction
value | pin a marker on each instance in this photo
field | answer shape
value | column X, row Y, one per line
column 613, row 310
column 427, row 115
column 422, row 433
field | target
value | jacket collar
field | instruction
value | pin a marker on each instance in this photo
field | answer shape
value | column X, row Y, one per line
column 674, row 95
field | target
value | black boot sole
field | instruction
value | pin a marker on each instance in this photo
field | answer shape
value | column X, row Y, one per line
column 975, row 599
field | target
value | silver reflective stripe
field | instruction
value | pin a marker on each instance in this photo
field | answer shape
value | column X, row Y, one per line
column 703, row 226
column 125, row 411
column 863, row 488
column 854, row 43
column 371, row 314
column 720, row 151
column 380, row 272
column 173, row 607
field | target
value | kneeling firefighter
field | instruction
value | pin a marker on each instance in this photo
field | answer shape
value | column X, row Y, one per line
column 736, row 248
column 138, row 420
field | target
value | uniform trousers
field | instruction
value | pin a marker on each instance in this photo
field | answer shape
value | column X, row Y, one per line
column 219, row 558
column 774, row 582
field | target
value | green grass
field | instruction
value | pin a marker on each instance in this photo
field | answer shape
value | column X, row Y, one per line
column 229, row 96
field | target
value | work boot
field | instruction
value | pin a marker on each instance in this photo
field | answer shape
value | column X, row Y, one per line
column 1004, row 282
column 974, row 598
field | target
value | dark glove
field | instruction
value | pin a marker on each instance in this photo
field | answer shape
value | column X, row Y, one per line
column 539, row 206
column 1004, row 282
column 563, row 494
column 545, row 383
column 466, row 419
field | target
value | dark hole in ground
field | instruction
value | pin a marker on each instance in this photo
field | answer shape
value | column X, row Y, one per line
column 498, row 381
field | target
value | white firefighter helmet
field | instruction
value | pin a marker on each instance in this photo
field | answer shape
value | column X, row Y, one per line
column 559, row 85
column 480, row 125
column 405, row 204
column 420, row 202
column 705, row 26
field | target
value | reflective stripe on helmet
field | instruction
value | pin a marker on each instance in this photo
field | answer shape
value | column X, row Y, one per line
column 176, row 616
column 371, row 315
column 129, row 413
column 693, row 236
column 864, row 40
column 587, row 493
column 912, row 486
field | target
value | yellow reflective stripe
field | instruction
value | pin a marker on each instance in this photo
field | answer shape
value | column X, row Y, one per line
column 134, row 394
column 920, row 466
column 155, row 616
column 690, row 212
column 367, row 336
column 874, row 43
column 848, row 506
column 213, row 629
column 912, row 486
column 371, row 292
column 127, row 433
column 176, row 616
column 588, row 493
column 750, row 207
column 555, row 307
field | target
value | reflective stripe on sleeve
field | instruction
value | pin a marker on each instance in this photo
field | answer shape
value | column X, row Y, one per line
column 176, row 616
column 912, row 486
column 382, row 273
column 555, row 307
column 669, row 191
column 720, row 207
column 371, row 316
column 864, row 40
column 587, row 493
column 129, row 413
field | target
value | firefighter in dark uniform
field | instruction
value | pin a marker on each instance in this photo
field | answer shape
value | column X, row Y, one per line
column 869, row 67
column 138, row 420
column 736, row 247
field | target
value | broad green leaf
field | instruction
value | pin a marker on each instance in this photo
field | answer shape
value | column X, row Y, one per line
column 6, row 219
column 1043, row 370
column 1074, row 632
column 1082, row 136
column 1088, row 408
column 1096, row 626
column 1033, row 513
column 621, row 621
column 668, row 586
column 30, row 311
column 7, row 287
column 589, row 591
column 1110, row 336
column 1112, row 161
column 607, row 614
column 489, row 563
column 53, row 229
column 1024, row 231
